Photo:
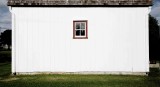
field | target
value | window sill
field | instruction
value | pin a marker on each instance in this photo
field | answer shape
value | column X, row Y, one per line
column 80, row 37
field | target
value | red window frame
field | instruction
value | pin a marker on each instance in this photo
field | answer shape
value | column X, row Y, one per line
column 74, row 29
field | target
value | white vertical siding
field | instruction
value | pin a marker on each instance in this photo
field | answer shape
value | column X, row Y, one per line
column 13, row 41
column 117, row 39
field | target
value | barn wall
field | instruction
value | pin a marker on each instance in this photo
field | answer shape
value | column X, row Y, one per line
column 117, row 39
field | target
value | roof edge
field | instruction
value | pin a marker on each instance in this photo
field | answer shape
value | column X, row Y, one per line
column 79, row 2
column 80, row 5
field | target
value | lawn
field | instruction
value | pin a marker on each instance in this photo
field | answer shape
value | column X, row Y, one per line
column 63, row 80
column 5, row 56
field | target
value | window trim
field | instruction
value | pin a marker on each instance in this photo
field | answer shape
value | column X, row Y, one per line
column 74, row 29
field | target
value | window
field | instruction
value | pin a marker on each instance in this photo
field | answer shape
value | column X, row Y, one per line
column 80, row 29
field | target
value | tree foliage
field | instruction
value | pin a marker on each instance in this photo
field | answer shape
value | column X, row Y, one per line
column 154, row 47
column 5, row 38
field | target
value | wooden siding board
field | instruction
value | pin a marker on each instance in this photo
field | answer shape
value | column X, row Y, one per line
column 106, row 42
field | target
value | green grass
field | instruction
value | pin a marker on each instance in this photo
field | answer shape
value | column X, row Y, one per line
column 5, row 56
column 63, row 80
column 5, row 69
column 5, row 53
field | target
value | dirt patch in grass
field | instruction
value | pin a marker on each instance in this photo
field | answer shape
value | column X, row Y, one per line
column 9, row 79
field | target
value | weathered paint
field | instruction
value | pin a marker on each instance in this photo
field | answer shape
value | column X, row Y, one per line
column 43, row 39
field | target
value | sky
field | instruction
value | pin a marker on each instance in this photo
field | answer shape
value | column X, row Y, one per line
column 155, row 11
column 5, row 15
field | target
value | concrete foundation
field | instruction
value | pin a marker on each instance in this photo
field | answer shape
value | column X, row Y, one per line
column 84, row 73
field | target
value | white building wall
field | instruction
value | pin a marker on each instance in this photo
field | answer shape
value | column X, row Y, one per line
column 117, row 39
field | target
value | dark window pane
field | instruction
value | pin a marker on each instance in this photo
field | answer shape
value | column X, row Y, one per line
column 82, row 25
column 77, row 25
column 78, row 32
column 82, row 32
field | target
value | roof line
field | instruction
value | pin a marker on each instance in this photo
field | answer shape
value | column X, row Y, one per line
column 79, row 5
